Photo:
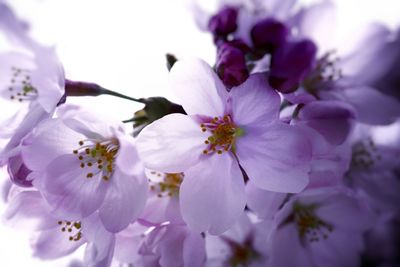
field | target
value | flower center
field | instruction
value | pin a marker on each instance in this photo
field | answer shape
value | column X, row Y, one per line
column 97, row 157
column 21, row 88
column 223, row 133
column 364, row 155
column 242, row 254
column 166, row 184
column 73, row 229
column 324, row 73
column 310, row 227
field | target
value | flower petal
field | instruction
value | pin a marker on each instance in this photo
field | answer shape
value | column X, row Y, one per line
column 332, row 119
column 340, row 210
column 194, row 253
column 171, row 144
column 286, row 249
column 317, row 23
column 127, row 159
column 53, row 137
column 53, row 243
column 264, row 203
column 254, row 102
column 198, row 88
column 125, row 199
column 68, row 190
column 276, row 159
column 212, row 194
column 100, row 249
column 372, row 107
column 29, row 210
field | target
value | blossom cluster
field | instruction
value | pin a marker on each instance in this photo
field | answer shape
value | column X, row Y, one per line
column 277, row 155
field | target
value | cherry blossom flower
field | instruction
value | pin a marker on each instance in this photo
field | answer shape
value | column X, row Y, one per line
column 245, row 244
column 88, row 165
column 320, row 228
column 221, row 130
column 56, row 237
column 31, row 85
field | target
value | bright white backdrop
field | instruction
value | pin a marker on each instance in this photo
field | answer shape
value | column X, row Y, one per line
column 121, row 44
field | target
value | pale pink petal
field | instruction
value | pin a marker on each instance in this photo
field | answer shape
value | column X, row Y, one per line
column 170, row 247
column 125, row 199
column 100, row 249
column 55, row 138
column 68, row 190
column 198, row 88
column 212, row 194
column 28, row 210
column 264, row 203
column 276, row 159
column 372, row 107
column 127, row 159
column 171, row 144
column 332, row 119
column 194, row 253
column 317, row 23
column 53, row 243
column 367, row 63
column 254, row 102
column 35, row 115
column 286, row 249
column 341, row 248
column 340, row 210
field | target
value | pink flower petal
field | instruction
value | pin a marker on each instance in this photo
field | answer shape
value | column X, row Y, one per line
column 68, row 191
column 277, row 159
column 254, row 102
column 125, row 199
column 171, row 144
column 264, row 203
column 53, row 244
column 212, row 194
column 53, row 137
column 198, row 88
column 372, row 107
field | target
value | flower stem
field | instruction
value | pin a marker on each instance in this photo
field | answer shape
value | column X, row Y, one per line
column 73, row 88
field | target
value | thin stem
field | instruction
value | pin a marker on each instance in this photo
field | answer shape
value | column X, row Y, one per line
column 109, row 92
column 130, row 120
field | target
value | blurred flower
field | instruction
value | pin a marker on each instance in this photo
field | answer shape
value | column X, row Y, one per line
column 55, row 236
column 242, row 245
column 319, row 228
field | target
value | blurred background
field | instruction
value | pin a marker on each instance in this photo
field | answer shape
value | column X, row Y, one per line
column 121, row 45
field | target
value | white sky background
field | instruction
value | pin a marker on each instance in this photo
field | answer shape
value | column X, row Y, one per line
column 120, row 44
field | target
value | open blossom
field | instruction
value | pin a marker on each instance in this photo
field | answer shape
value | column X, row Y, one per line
column 163, row 200
column 220, row 131
column 172, row 245
column 57, row 237
column 319, row 228
column 346, row 74
column 374, row 173
column 34, row 73
column 31, row 84
column 244, row 244
column 85, row 165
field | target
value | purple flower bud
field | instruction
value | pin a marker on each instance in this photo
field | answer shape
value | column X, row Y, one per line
column 290, row 64
column 231, row 64
column 269, row 34
column 224, row 22
column 73, row 88
column 19, row 172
